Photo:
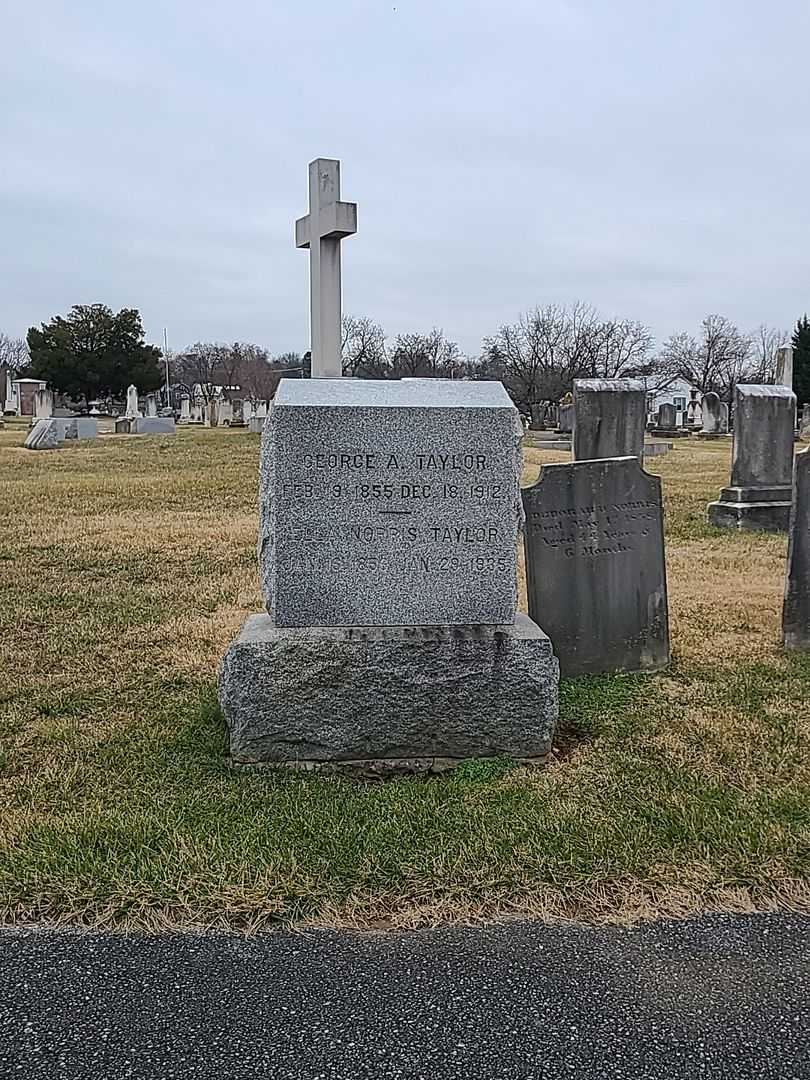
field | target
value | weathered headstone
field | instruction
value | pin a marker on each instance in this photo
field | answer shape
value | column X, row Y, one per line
column 594, row 544
column 715, row 416
column 805, row 423
column 796, row 607
column 694, row 419
column 565, row 419
column 759, row 494
column 43, row 436
column 153, row 425
column 609, row 418
column 151, row 405
column 43, row 405
column 185, row 410
column 132, row 410
column 247, row 411
column 666, row 422
column 784, row 366
column 256, row 424
column 76, row 427
column 389, row 515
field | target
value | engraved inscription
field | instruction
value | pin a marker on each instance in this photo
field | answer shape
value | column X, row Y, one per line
column 439, row 489
column 598, row 530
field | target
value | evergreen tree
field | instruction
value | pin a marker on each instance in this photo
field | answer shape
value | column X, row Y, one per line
column 801, row 361
column 93, row 353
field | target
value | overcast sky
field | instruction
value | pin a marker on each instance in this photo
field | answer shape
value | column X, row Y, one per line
column 651, row 159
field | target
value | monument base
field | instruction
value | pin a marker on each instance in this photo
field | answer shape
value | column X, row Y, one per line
column 669, row 433
column 765, row 509
column 373, row 697
column 714, row 435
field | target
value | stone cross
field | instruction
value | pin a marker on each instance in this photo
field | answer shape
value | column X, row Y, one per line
column 327, row 222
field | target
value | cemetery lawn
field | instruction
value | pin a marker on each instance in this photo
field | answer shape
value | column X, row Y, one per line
column 126, row 567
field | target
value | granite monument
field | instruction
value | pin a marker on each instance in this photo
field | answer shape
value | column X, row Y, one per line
column 759, row 494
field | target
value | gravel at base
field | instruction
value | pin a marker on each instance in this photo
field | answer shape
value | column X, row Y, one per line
column 712, row 997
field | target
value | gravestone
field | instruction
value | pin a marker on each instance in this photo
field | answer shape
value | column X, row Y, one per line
column 247, row 411
column 132, row 410
column 225, row 413
column 153, row 425
column 185, row 410
column 694, row 417
column 609, row 418
column 715, row 416
column 796, row 607
column 595, row 571
column 759, row 494
column 784, row 366
column 565, row 419
column 76, row 427
column 256, row 424
column 805, row 424
column 666, row 423
column 151, row 405
column 378, row 508
column 389, row 515
column 43, row 405
column 43, row 436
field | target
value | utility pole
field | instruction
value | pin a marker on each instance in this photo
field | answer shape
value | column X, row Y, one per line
column 166, row 362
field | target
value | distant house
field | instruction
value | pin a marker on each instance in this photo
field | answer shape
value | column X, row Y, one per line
column 677, row 392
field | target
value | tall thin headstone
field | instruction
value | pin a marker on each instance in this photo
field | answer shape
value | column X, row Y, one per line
column 610, row 416
column 132, row 410
column 796, row 607
column 329, row 220
column 43, row 404
column 784, row 366
column 759, row 494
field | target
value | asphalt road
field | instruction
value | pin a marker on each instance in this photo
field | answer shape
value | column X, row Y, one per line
column 713, row 997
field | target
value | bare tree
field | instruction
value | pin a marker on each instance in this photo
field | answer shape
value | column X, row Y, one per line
column 13, row 353
column 362, row 346
column 765, row 340
column 539, row 357
column 424, row 355
column 717, row 360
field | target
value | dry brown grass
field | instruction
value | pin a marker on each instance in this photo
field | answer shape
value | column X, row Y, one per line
column 127, row 565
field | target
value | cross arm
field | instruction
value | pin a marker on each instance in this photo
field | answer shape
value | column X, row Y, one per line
column 335, row 221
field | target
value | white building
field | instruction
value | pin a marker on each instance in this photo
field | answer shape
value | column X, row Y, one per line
column 677, row 393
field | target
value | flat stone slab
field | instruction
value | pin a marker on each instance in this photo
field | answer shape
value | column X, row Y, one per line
column 153, row 425
column 595, row 571
column 76, row 427
column 364, row 694
column 390, row 503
